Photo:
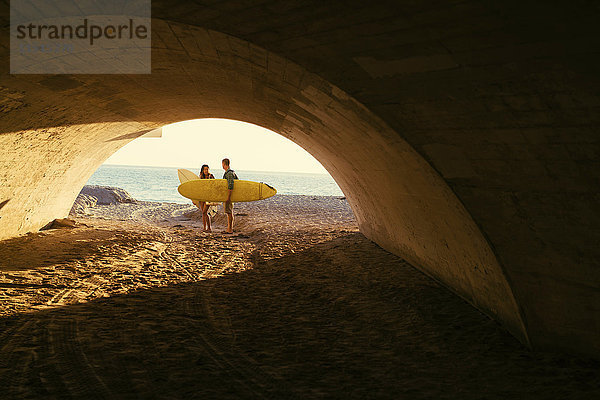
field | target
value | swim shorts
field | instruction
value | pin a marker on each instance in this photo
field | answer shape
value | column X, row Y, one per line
column 228, row 209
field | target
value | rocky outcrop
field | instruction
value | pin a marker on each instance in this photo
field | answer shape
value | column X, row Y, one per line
column 107, row 194
column 93, row 195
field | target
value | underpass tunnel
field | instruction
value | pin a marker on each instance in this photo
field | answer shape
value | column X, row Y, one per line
column 457, row 218
column 410, row 212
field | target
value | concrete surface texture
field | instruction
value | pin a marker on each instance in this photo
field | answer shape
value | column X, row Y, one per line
column 478, row 119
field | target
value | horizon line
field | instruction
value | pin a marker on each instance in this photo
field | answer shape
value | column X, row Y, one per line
column 194, row 168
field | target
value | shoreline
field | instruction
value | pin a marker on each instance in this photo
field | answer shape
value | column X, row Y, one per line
column 133, row 178
column 324, row 197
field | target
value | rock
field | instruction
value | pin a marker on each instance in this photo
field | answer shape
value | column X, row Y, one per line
column 92, row 195
column 82, row 203
column 107, row 194
column 60, row 223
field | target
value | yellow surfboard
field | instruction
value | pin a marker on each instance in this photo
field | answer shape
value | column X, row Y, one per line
column 216, row 190
column 186, row 175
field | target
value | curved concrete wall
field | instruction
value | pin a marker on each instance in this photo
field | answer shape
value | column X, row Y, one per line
column 501, row 101
column 410, row 211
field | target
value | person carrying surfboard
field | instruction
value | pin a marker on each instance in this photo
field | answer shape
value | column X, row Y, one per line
column 228, row 205
column 205, row 174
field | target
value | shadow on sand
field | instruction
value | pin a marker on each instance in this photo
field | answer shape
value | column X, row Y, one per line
column 326, row 322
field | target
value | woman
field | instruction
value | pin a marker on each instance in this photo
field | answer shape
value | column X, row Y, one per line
column 205, row 174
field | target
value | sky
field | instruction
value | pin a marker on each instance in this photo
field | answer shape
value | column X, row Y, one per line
column 189, row 144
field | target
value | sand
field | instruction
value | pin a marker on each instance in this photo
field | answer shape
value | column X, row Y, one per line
column 136, row 302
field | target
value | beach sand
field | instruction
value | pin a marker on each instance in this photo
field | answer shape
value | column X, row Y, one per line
column 136, row 302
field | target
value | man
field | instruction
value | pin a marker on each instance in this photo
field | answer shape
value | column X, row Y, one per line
column 228, row 205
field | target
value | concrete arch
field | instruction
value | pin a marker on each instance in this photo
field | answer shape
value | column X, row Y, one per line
column 61, row 128
column 501, row 98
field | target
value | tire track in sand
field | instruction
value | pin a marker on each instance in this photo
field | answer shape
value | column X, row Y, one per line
column 219, row 341
column 14, row 358
column 76, row 372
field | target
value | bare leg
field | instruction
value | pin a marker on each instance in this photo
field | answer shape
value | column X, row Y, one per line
column 230, row 223
column 201, row 206
column 206, row 218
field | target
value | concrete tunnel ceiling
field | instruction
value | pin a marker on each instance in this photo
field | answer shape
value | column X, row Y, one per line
column 480, row 121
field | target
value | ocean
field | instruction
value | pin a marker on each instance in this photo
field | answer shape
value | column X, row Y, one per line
column 160, row 183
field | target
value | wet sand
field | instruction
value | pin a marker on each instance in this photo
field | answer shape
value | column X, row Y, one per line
column 136, row 302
